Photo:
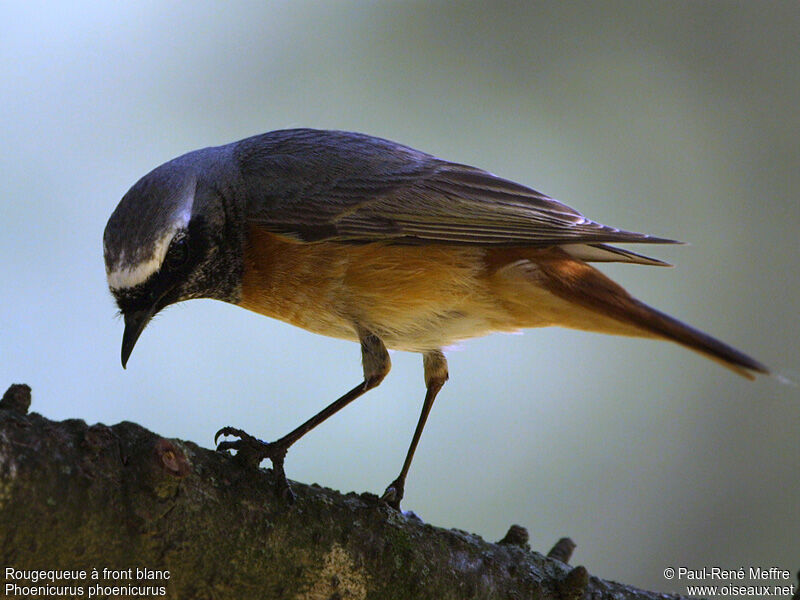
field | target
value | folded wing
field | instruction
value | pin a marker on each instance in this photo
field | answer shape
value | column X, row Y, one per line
column 346, row 187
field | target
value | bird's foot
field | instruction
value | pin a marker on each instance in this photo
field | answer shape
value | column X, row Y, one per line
column 394, row 493
column 251, row 451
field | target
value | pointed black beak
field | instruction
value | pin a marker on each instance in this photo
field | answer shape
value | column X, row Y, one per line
column 135, row 323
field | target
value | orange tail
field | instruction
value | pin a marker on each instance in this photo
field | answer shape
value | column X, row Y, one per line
column 686, row 335
column 576, row 281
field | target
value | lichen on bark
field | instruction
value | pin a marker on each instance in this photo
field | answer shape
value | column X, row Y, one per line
column 78, row 496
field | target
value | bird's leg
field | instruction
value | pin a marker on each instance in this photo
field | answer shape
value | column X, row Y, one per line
column 435, row 375
column 252, row 451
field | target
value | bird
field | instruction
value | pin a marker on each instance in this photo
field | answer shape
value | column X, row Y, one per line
column 365, row 239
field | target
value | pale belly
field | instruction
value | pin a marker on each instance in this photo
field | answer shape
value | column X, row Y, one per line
column 432, row 332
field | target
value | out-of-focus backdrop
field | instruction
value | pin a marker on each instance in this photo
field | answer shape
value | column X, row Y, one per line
column 677, row 119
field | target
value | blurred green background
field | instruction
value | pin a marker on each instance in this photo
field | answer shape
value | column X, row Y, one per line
column 678, row 119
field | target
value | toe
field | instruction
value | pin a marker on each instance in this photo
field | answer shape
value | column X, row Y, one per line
column 286, row 492
column 392, row 497
column 228, row 430
column 225, row 445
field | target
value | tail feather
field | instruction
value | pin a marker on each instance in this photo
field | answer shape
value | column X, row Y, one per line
column 671, row 328
column 578, row 282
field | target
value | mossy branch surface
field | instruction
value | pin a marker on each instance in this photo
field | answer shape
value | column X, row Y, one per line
column 83, row 497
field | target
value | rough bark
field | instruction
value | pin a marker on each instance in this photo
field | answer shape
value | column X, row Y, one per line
column 80, row 497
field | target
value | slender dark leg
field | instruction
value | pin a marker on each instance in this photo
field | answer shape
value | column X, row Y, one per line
column 435, row 375
column 252, row 451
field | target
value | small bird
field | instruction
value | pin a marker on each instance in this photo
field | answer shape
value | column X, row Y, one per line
column 364, row 239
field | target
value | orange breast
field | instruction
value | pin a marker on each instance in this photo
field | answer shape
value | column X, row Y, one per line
column 412, row 297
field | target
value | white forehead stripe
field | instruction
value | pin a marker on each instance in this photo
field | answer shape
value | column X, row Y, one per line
column 124, row 275
column 121, row 278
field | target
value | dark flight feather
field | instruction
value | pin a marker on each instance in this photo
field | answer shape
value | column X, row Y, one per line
column 348, row 187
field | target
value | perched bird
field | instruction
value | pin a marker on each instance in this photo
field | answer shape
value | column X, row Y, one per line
column 364, row 239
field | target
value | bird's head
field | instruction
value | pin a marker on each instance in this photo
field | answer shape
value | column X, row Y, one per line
column 171, row 238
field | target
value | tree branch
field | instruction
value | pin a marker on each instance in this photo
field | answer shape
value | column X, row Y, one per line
column 83, row 497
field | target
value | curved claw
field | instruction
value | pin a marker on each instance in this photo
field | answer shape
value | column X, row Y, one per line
column 286, row 492
column 249, row 448
column 251, row 451
column 228, row 430
column 245, row 440
column 393, row 495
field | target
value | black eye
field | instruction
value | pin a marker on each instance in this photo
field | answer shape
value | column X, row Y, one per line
column 177, row 254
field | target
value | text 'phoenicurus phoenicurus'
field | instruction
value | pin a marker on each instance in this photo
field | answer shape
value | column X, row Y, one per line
column 364, row 239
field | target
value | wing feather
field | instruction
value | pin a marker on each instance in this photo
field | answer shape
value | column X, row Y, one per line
column 348, row 187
